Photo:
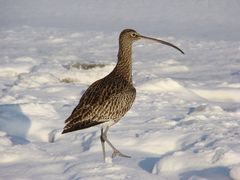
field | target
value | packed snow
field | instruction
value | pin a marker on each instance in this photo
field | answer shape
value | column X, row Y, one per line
column 185, row 122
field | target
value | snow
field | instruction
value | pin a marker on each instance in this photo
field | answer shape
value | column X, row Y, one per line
column 185, row 122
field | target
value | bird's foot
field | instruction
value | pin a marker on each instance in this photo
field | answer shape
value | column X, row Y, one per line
column 118, row 153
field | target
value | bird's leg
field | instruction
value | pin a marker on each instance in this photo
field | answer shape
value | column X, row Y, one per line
column 103, row 144
column 115, row 151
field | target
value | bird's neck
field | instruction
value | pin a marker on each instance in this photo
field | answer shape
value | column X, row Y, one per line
column 124, row 64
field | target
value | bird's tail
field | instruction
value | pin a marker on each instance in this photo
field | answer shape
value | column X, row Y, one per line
column 71, row 126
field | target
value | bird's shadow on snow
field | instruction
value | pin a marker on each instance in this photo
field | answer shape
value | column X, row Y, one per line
column 15, row 123
column 88, row 140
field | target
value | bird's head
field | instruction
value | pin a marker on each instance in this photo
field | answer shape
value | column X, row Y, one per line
column 130, row 35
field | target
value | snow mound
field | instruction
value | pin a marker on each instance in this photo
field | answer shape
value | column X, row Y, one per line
column 23, row 116
column 202, row 164
column 219, row 95
column 161, row 85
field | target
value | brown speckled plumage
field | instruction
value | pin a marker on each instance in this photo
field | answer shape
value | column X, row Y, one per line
column 108, row 99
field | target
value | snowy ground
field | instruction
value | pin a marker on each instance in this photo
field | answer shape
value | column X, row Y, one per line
column 184, row 124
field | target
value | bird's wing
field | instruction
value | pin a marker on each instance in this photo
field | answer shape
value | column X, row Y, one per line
column 98, row 92
column 88, row 98
column 111, row 108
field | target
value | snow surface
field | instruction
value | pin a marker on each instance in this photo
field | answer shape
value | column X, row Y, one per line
column 185, row 122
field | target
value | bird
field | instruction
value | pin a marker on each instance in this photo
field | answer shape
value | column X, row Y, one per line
column 108, row 99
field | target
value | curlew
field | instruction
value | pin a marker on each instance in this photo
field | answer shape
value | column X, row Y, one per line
column 107, row 100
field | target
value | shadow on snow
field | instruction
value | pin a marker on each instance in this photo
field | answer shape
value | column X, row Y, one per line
column 14, row 122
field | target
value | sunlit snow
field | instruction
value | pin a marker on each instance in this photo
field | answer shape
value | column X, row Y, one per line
column 185, row 122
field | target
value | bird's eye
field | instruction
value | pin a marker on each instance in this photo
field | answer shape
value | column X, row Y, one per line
column 133, row 34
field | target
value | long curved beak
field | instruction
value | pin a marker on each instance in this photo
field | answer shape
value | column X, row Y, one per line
column 162, row 42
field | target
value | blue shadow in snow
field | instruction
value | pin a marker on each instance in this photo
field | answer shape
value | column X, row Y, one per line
column 148, row 163
column 219, row 172
column 14, row 122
